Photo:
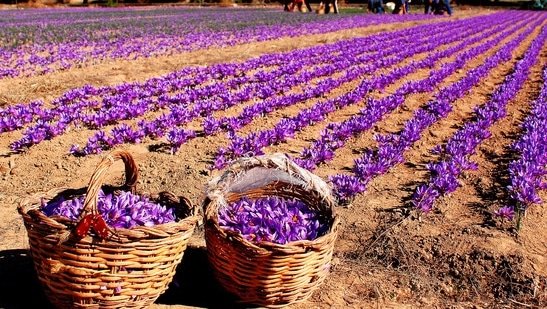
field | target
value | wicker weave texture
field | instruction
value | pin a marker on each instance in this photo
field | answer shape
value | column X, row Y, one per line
column 268, row 274
column 130, row 269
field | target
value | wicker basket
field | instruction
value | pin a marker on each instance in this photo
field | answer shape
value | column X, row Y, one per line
column 269, row 274
column 129, row 269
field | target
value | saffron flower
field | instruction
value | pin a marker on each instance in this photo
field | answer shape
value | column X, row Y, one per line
column 272, row 219
column 123, row 210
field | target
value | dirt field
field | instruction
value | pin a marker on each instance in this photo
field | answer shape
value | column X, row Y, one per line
column 457, row 256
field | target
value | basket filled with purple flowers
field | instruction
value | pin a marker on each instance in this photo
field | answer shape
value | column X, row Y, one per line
column 270, row 230
column 106, row 246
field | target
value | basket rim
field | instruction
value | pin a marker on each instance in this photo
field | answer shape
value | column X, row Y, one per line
column 312, row 185
column 211, row 219
column 30, row 207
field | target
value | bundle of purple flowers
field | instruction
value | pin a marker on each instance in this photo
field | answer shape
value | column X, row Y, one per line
column 123, row 210
column 272, row 219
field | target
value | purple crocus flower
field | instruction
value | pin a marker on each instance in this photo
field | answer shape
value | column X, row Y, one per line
column 506, row 212
column 120, row 210
column 272, row 219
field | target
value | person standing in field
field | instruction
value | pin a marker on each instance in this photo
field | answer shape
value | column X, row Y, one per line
column 428, row 5
column 400, row 7
column 447, row 7
column 437, row 7
column 328, row 4
column 375, row 6
column 297, row 3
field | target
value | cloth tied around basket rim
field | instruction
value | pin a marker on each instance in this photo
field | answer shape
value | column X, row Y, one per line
column 276, row 171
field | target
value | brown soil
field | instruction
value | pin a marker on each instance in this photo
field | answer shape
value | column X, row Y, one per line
column 457, row 256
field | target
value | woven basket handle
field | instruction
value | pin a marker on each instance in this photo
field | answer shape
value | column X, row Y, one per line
column 96, row 181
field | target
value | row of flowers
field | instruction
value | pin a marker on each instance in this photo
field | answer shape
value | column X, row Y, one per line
column 48, row 44
column 335, row 135
column 258, row 140
column 199, row 87
column 455, row 153
column 87, row 101
column 391, row 148
column 273, row 92
column 527, row 172
column 204, row 88
column 253, row 143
